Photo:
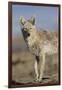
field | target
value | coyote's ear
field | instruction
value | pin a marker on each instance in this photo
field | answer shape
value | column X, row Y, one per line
column 32, row 20
column 22, row 20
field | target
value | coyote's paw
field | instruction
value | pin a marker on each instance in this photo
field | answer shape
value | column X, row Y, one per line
column 36, row 79
column 40, row 80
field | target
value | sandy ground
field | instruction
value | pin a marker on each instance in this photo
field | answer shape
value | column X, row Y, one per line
column 23, row 67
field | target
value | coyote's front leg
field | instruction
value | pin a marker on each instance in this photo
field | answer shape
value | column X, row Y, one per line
column 42, row 66
column 36, row 66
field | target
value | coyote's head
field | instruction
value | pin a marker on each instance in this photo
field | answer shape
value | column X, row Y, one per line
column 28, row 26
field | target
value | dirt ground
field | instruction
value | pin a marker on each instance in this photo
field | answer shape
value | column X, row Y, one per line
column 23, row 68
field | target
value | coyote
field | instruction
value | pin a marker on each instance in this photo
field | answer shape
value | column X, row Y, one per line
column 40, row 44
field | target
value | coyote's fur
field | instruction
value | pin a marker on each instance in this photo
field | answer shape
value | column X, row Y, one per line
column 39, row 43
